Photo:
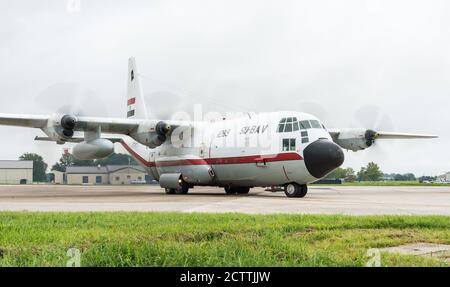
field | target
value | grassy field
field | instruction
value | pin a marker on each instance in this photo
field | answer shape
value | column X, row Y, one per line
column 390, row 183
column 174, row 239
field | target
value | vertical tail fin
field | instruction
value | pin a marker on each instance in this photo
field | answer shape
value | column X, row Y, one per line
column 135, row 98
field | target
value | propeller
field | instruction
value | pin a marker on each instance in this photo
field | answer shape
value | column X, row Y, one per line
column 374, row 120
column 162, row 129
column 70, row 100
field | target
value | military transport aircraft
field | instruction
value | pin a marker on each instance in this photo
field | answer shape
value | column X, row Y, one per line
column 289, row 149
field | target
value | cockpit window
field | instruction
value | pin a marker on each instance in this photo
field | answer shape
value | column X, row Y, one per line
column 288, row 125
column 315, row 124
column 305, row 125
column 291, row 124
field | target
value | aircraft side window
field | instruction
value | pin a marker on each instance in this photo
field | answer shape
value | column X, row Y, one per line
column 315, row 124
column 304, row 133
column 305, row 140
column 288, row 144
column 292, row 144
column 285, row 144
column 305, row 125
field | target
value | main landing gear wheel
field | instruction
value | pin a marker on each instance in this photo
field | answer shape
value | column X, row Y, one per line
column 183, row 189
column 237, row 190
column 295, row 190
column 170, row 191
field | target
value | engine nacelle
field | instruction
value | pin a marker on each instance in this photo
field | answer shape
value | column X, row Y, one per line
column 355, row 139
column 95, row 149
column 60, row 128
column 151, row 133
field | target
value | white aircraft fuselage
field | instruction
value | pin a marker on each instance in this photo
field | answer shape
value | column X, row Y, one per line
column 248, row 151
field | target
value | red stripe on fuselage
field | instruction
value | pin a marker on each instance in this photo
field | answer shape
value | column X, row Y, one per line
column 217, row 160
column 136, row 155
column 131, row 101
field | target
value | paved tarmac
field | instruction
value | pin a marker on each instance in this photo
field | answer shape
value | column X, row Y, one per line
column 355, row 200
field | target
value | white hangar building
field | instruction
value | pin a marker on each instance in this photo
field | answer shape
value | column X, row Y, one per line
column 16, row 171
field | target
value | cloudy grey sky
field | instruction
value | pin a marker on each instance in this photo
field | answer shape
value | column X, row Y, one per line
column 389, row 60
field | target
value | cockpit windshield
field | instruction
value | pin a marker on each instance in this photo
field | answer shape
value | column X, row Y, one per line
column 292, row 124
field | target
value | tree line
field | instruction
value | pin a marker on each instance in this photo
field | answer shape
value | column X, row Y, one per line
column 371, row 172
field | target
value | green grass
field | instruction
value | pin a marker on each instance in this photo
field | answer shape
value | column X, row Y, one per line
column 389, row 183
column 198, row 239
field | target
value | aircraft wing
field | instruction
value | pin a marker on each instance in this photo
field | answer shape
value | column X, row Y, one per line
column 391, row 135
column 108, row 125
column 31, row 121
column 334, row 133
column 359, row 139
column 75, row 139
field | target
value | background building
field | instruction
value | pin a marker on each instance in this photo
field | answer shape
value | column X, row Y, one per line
column 110, row 174
column 58, row 177
column 87, row 175
column 16, row 172
column 123, row 174
column 444, row 178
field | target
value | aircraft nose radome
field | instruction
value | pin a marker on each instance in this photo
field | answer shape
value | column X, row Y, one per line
column 322, row 156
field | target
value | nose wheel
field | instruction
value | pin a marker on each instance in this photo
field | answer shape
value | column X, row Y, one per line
column 295, row 190
column 237, row 190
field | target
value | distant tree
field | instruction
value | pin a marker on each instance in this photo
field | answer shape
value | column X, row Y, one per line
column 68, row 159
column 361, row 175
column 371, row 172
column 39, row 166
column 404, row 177
column 116, row 159
column 350, row 174
column 346, row 173
column 398, row 177
column 50, row 177
column 409, row 177
column 337, row 173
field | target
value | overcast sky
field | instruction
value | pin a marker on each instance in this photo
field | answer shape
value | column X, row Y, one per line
column 386, row 60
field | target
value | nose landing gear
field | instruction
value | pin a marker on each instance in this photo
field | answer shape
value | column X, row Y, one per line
column 237, row 190
column 295, row 190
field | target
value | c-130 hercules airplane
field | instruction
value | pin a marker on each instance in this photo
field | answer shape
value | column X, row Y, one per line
column 289, row 149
